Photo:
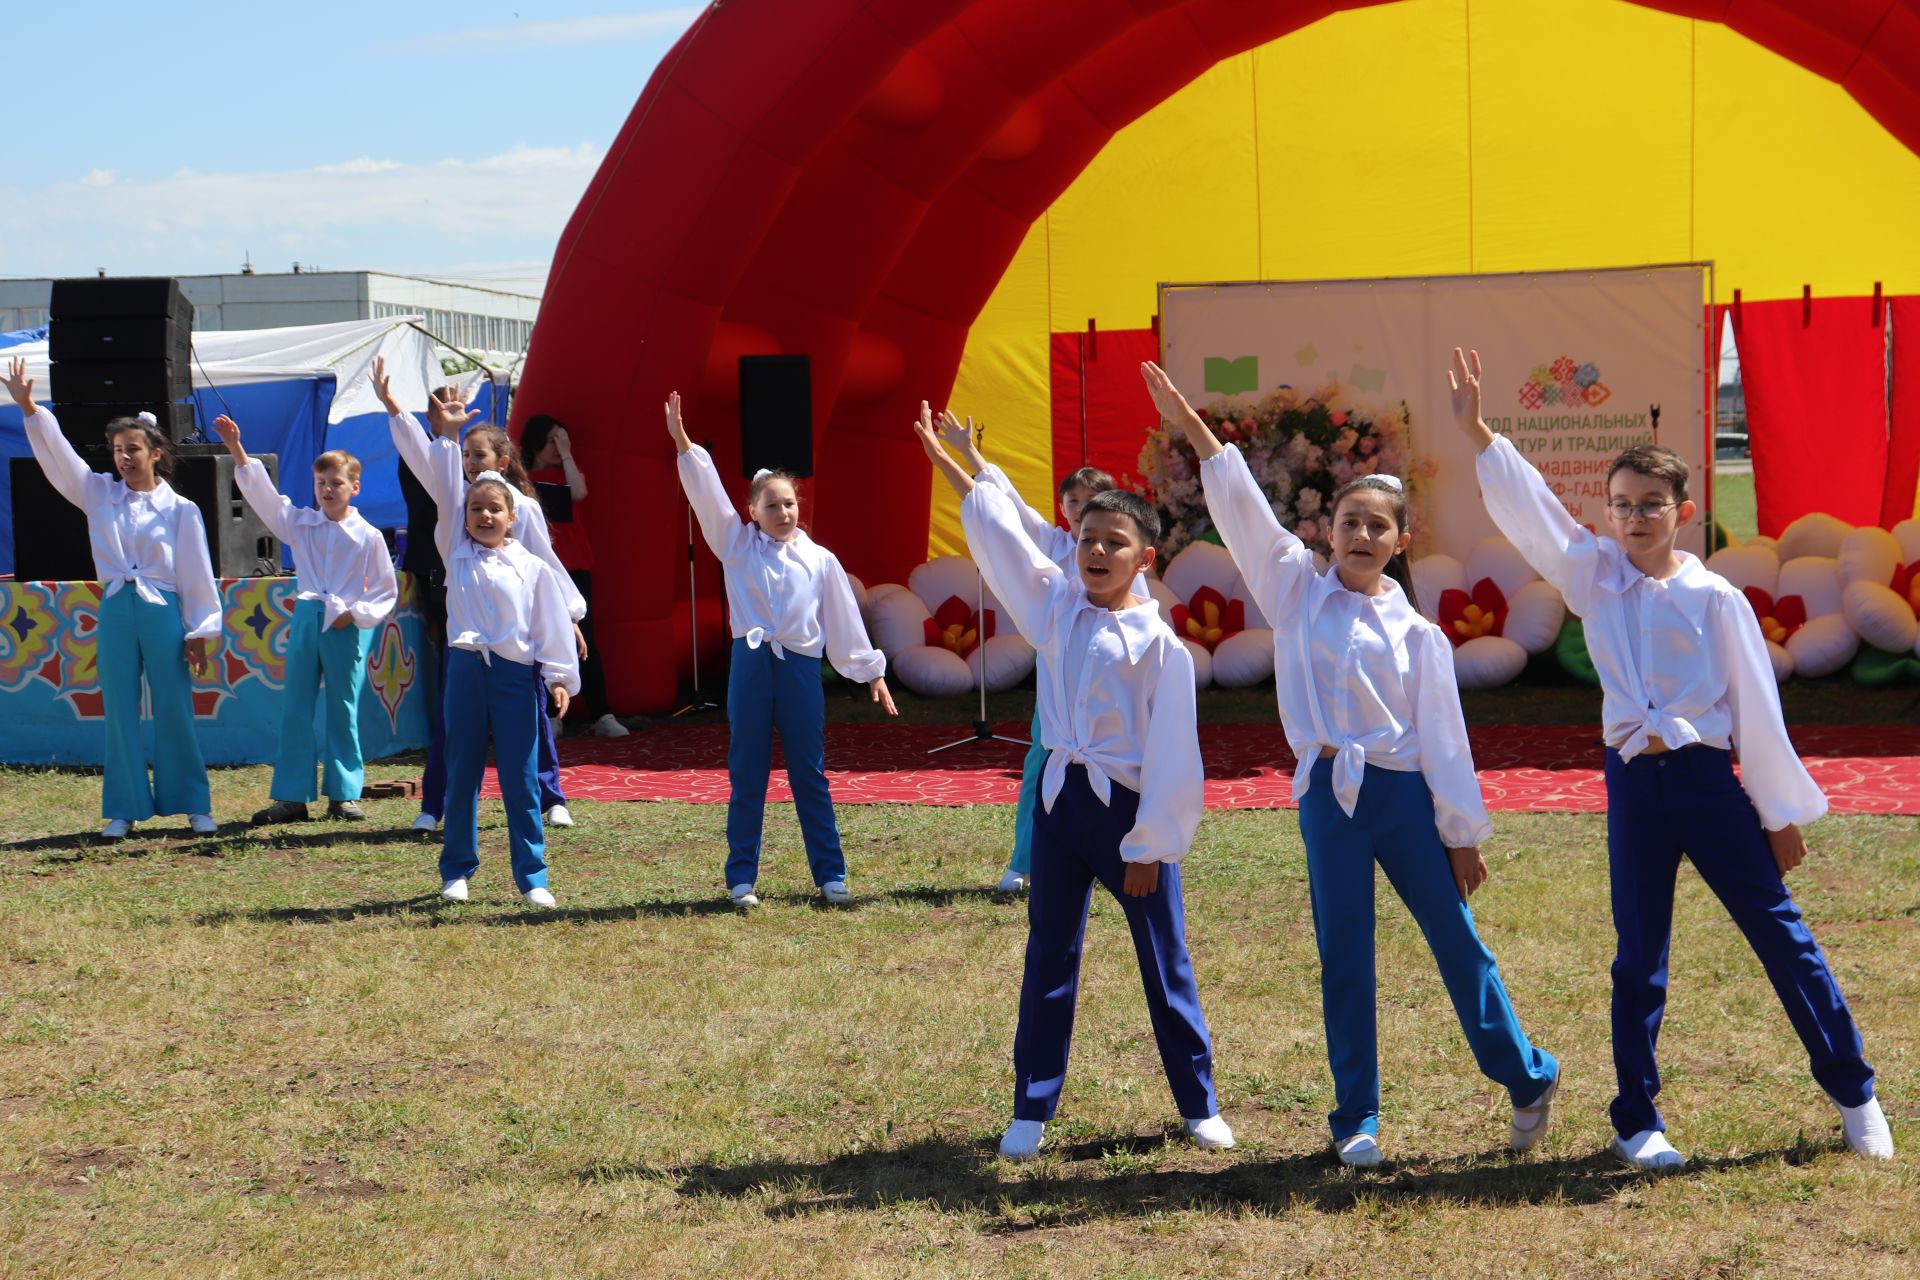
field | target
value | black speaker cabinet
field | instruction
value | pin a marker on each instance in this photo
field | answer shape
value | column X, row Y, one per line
column 237, row 539
column 776, row 414
column 90, row 297
column 120, row 382
column 50, row 542
column 119, row 339
column 86, row 424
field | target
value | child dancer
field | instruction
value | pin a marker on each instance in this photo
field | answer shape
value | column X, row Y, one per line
column 1371, row 709
column 1120, row 796
column 443, row 465
column 548, row 450
column 1686, row 681
column 509, row 647
column 159, row 607
column 345, row 590
column 790, row 602
column 1057, row 545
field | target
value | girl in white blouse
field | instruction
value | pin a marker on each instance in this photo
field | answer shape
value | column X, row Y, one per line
column 1372, row 711
column 159, row 609
column 790, row 602
column 1687, row 681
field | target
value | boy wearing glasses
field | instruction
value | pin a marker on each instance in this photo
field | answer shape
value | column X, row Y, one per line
column 1687, row 682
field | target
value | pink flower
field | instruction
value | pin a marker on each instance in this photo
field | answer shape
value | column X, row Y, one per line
column 1339, row 418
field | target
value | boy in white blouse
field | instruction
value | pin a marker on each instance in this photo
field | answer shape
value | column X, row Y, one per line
column 345, row 590
column 1372, row 711
column 1120, row 797
column 1687, row 681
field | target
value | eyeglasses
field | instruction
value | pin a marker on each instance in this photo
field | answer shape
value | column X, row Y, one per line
column 1639, row 510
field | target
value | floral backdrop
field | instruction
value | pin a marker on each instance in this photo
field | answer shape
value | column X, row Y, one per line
column 1301, row 447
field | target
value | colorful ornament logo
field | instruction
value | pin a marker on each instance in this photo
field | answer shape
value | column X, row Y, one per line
column 1564, row 384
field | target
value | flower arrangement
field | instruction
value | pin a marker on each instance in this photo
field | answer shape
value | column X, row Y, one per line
column 1301, row 448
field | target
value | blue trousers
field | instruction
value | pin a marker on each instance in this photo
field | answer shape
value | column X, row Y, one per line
column 765, row 692
column 339, row 655
column 1393, row 824
column 1073, row 846
column 1689, row 803
column 547, row 758
column 433, row 774
column 1030, row 770
column 492, row 699
column 138, row 639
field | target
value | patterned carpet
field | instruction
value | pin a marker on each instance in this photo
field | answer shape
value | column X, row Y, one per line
column 1537, row 768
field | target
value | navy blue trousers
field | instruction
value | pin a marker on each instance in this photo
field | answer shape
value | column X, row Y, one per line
column 1393, row 824
column 1688, row 803
column 433, row 775
column 1075, row 845
column 492, row 701
column 765, row 692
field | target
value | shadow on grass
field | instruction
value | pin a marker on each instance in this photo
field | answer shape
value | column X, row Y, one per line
column 1103, row 1179
column 230, row 837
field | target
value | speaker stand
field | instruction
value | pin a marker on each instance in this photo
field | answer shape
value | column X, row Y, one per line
column 982, row 727
column 699, row 702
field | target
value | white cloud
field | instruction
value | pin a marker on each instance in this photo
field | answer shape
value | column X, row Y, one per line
column 566, row 31
column 365, row 212
column 98, row 178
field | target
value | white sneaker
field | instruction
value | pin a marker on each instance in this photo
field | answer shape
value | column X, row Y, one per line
column 203, row 824
column 425, row 822
column 1211, row 1134
column 1530, row 1122
column 1022, row 1140
column 607, row 727
column 1012, row 882
column 1649, row 1150
column 116, row 830
column 559, row 817
column 1361, row 1151
column 836, row 892
column 1865, row 1127
column 454, row 890
column 742, row 895
column 539, row 897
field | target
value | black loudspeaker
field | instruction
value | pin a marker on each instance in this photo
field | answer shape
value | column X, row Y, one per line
column 776, row 414
column 50, row 542
column 119, row 346
column 237, row 539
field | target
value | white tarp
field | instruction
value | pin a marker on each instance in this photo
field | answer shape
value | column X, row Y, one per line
column 1574, row 359
column 345, row 350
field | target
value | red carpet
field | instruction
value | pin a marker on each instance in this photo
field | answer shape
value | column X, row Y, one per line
column 1539, row 768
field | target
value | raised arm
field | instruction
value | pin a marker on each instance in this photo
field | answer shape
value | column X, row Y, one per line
column 722, row 526
column 1020, row 576
column 1054, row 542
column 424, row 455
column 931, row 441
column 1172, row 778
column 64, row 468
column 576, row 482
column 1174, row 408
column 272, row 506
column 1523, row 508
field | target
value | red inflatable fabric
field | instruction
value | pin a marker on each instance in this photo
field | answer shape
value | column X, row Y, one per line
column 848, row 179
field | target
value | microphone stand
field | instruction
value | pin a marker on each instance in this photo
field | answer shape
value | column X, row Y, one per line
column 699, row 702
column 982, row 727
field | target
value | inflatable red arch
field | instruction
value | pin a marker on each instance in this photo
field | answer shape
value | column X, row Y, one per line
column 849, row 179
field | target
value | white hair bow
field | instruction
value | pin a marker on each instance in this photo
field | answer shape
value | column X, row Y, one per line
column 147, row 418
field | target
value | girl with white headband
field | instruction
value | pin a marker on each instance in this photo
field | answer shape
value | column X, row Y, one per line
column 790, row 602
column 159, row 609
column 1372, row 710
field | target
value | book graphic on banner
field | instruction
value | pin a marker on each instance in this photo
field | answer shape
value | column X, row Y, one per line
column 1231, row 377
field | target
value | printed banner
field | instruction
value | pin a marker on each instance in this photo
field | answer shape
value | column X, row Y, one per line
column 1575, row 363
column 51, row 709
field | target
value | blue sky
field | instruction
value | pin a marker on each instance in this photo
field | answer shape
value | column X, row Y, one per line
column 414, row 135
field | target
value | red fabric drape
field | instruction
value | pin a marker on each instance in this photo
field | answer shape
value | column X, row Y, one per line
column 1816, row 408
column 1118, row 412
column 1903, row 442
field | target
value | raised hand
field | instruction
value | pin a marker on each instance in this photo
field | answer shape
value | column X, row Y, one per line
column 19, row 385
column 383, row 386
column 962, row 438
column 229, row 432
column 1463, row 383
column 562, row 445
column 675, row 427
column 1174, row 408
column 1469, row 869
column 447, row 412
column 929, row 437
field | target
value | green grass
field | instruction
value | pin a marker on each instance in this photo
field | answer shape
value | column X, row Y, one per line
column 279, row 1054
column 1733, row 504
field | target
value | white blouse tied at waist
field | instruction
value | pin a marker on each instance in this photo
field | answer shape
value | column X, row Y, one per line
column 155, row 540
column 1364, row 675
column 1115, row 688
column 792, row 596
column 1681, row 657
column 341, row 563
